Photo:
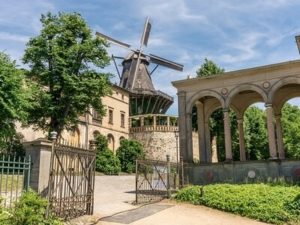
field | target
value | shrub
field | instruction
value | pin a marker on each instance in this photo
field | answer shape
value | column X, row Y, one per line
column 128, row 152
column 268, row 203
column 29, row 210
column 106, row 161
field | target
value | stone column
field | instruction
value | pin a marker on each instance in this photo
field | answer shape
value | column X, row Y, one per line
column 208, row 148
column 227, row 133
column 182, row 124
column 201, row 132
column 168, row 122
column 281, row 153
column 189, row 137
column 271, row 131
column 142, row 121
column 40, row 153
column 154, row 122
column 241, row 139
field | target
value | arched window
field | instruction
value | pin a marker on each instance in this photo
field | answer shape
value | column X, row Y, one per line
column 111, row 142
column 75, row 137
column 121, row 138
column 95, row 134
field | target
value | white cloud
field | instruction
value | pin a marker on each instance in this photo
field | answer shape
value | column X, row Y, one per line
column 13, row 37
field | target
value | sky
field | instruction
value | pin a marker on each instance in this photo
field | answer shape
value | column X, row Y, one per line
column 235, row 34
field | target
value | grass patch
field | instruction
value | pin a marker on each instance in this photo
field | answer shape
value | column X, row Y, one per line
column 276, row 204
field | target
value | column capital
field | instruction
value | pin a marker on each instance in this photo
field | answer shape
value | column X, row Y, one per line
column 277, row 116
column 181, row 93
column 240, row 120
column 225, row 110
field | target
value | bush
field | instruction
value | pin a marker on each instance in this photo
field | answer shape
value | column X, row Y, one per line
column 106, row 161
column 29, row 210
column 128, row 152
column 268, row 203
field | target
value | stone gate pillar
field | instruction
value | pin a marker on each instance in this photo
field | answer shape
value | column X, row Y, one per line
column 227, row 132
column 271, row 131
column 40, row 153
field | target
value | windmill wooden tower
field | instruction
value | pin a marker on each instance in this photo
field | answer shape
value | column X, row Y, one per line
column 136, row 77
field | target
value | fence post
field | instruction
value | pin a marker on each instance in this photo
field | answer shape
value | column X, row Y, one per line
column 136, row 181
column 53, row 136
column 168, row 176
column 181, row 174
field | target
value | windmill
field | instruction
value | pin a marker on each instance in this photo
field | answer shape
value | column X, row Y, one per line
column 136, row 77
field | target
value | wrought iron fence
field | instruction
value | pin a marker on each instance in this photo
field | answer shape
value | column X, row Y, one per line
column 14, row 178
column 71, row 182
column 156, row 180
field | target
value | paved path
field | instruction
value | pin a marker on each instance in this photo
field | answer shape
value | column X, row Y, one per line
column 186, row 214
column 114, row 195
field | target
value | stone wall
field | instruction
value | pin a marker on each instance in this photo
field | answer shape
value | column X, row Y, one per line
column 157, row 144
column 241, row 172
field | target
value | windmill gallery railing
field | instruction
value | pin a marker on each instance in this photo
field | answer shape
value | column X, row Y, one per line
column 156, row 180
column 71, row 181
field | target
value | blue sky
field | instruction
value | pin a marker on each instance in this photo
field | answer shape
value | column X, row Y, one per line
column 233, row 33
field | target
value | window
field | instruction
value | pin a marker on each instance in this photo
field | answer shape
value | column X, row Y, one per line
column 96, row 117
column 110, row 116
column 122, row 119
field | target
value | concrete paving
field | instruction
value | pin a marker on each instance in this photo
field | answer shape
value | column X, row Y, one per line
column 113, row 198
column 114, row 194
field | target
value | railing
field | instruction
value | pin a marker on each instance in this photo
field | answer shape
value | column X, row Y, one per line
column 14, row 178
column 154, row 128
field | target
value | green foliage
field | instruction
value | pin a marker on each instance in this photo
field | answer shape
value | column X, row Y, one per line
column 106, row 161
column 268, row 203
column 64, row 61
column 209, row 68
column 29, row 210
column 128, row 152
column 291, row 130
column 14, row 99
column 256, row 137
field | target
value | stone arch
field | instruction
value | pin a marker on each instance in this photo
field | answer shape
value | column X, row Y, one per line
column 191, row 101
column 121, row 138
column 111, row 142
column 245, row 87
column 95, row 134
column 282, row 82
column 75, row 137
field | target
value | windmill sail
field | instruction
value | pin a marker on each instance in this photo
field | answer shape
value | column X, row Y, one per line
column 146, row 33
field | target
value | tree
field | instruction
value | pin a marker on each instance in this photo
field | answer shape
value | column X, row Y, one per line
column 291, row 130
column 128, row 152
column 64, row 61
column 14, row 100
column 256, row 138
column 209, row 68
column 106, row 161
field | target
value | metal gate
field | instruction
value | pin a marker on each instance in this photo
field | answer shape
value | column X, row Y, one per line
column 71, row 181
column 14, row 178
column 156, row 180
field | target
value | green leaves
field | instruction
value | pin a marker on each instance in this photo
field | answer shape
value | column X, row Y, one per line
column 65, row 61
column 128, row 152
column 269, row 203
column 209, row 68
